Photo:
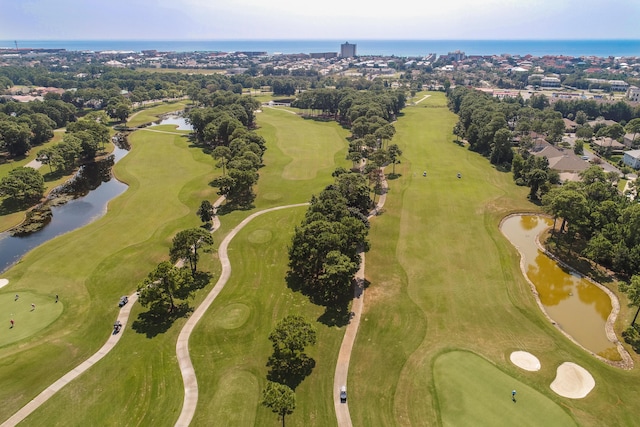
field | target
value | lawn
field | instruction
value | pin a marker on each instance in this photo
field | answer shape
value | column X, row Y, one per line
column 472, row 391
column 446, row 304
column 93, row 267
column 443, row 278
column 168, row 178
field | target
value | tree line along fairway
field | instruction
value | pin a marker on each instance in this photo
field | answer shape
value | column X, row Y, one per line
column 443, row 278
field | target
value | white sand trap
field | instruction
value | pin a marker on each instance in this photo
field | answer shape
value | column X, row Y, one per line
column 3, row 282
column 572, row 381
column 525, row 360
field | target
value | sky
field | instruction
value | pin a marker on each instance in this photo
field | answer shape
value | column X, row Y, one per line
column 324, row 19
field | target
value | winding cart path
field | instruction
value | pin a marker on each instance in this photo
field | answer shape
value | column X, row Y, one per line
column 344, row 356
column 182, row 347
column 47, row 393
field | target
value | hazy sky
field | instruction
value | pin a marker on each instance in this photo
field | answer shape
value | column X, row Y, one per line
column 324, row 19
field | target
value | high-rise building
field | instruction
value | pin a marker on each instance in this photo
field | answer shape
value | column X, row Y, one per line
column 347, row 50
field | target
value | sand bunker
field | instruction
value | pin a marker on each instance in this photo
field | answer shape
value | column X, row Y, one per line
column 525, row 360
column 3, row 282
column 572, row 381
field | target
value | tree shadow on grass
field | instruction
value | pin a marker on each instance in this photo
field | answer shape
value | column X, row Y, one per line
column 290, row 371
column 158, row 321
column 9, row 206
column 199, row 281
column 336, row 307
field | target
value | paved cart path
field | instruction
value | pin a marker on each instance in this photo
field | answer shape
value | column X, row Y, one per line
column 182, row 347
column 34, row 404
column 344, row 356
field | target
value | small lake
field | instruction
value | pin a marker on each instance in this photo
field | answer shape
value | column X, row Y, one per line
column 100, row 187
column 178, row 121
column 579, row 307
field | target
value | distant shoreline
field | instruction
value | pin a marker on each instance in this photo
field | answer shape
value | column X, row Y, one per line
column 401, row 48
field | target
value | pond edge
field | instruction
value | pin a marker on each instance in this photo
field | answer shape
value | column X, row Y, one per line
column 627, row 361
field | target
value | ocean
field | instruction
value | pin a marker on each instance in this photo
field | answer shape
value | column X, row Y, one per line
column 404, row 48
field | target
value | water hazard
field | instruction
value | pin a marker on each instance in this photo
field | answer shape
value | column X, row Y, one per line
column 179, row 121
column 579, row 307
column 96, row 182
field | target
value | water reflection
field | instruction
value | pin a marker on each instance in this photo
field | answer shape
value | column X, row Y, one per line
column 93, row 187
column 579, row 307
column 178, row 121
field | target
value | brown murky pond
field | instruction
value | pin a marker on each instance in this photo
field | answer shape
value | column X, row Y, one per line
column 579, row 307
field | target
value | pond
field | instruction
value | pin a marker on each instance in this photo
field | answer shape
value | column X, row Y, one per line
column 179, row 121
column 96, row 182
column 576, row 305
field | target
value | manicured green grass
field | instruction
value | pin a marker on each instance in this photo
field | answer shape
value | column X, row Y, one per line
column 90, row 268
column 231, row 346
column 28, row 321
column 292, row 174
column 472, row 391
column 443, row 277
column 445, row 284
column 151, row 114
column 167, row 180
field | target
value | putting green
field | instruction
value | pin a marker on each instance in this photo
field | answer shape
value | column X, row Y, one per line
column 27, row 321
column 472, row 391
column 233, row 316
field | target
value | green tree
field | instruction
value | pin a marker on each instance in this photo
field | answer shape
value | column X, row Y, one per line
column 337, row 273
column 223, row 154
column 289, row 364
column 536, row 178
column 23, row 185
column 122, row 111
column 633, row 127
column 501, row 152
column 279, row 398
column 584, row 132
column 632, row 289
column 578, row 148
column 581, row 117
column 41, row 128
column 160, row 289
column 187, row 243
column 205, row 211
column 14, row 137
column 394, row 152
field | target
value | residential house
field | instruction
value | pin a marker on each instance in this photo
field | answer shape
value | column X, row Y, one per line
column 608, row 144
column 630, row 139
column 633, row 94
column 565, row 162
column 570, row 126
column 632, row 158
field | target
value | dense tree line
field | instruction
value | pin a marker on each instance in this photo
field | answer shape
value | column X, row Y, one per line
column 598, row 219
column 81, row 142
column 224, row 125
column 619, row 111
column 491, row 126
column 26, row 125
column 323, row 256
column 347, row 105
